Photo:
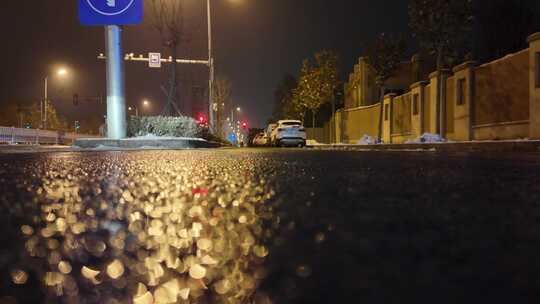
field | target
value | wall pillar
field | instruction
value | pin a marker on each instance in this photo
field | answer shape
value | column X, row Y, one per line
column 388, row 115
column 438, row 106
column 433, row 126
column 464, row 103
column 337, row 127
column 418, row 100
column 534, row 85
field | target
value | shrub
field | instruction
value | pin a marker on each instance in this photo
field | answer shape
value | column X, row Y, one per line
column 164, row 126
column 209, row 136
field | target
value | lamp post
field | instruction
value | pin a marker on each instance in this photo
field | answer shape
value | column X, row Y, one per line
column 211, row 106
column 44, row 102
column 211, row 68
column 135, row 108
column 238, row 109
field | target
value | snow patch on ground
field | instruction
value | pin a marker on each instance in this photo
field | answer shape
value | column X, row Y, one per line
column 427, row 138
column 367, row 140
column 313, row 142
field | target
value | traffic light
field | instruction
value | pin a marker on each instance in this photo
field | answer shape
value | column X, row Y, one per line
column 201, row 119
column 244, row 125
column 76, row 99
column 77, row 125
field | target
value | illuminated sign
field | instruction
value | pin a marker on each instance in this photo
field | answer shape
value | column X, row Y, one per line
column 110, row 12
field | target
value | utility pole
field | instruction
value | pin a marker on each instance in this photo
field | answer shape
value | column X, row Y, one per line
column 211, row 68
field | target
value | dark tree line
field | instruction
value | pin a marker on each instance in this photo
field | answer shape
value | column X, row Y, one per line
column 503, row 25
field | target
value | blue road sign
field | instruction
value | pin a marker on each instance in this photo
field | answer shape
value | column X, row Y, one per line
column 110, row 12
column 232, row 138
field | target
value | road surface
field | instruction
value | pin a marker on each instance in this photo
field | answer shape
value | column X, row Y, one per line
column 269, row 226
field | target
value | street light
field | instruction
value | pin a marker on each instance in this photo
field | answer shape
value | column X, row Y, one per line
column 211, row 65
column 44, row 104
column 238, row 109
column 135, row 108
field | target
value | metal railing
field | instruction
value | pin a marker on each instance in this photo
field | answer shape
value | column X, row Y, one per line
column 11, row 135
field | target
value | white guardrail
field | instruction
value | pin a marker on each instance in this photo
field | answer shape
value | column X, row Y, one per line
column 11, row 135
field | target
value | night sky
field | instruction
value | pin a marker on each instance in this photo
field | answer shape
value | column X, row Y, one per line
column 256, row 42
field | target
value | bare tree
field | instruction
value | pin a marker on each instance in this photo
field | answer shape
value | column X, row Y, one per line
column 169, row 22
column 222, row 93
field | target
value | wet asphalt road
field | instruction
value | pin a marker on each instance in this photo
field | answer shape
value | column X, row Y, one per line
column 269, row 226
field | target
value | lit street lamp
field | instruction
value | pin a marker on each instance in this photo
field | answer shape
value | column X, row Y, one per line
column 211, row 64
column 136, row 110
column 145, row 103
column 44, row 103
column 238, row 109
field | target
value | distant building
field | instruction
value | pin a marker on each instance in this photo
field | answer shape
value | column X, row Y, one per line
column 361, row 89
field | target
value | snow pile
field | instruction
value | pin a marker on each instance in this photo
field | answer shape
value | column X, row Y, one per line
column 427, row 138
column 163, row 126
column 313, row 142
column 156, row 137
column 367, row 140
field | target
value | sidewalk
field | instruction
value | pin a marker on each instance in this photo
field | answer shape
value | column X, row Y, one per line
column 474, row 146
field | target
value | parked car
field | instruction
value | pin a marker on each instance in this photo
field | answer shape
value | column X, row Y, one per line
column 289, row 133
column 270, row 129
column 260, row 140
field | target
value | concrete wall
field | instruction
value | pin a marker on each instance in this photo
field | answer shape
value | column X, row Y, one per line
column 502, row 90
column 502, row 131
column 498, row 100
column 358, row 122
column 317, row 134
column 534, row 85
column 401, row 122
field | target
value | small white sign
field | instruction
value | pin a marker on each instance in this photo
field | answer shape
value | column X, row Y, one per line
column 154, row 60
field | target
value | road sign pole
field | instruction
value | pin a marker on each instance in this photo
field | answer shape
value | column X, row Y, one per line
column 116, row 101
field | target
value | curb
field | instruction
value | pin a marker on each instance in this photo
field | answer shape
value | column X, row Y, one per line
column 517, row 146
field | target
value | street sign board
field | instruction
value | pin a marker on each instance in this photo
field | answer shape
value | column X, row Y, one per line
column 110, row 12
column 154, row 60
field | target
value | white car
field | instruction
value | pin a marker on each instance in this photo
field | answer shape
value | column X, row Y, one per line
column 270, row 129
column 289, row 133
column 260, row 140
